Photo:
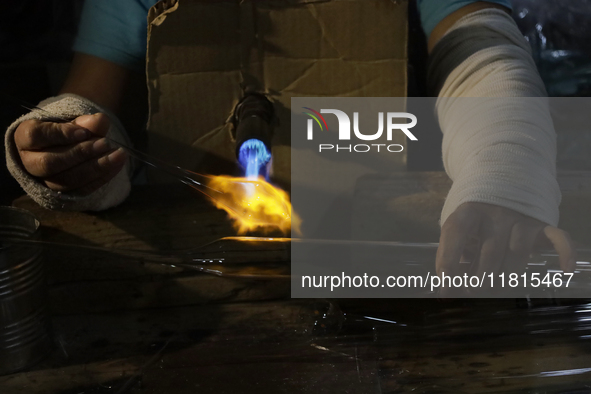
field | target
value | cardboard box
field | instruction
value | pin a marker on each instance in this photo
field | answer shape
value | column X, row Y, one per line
column 203, row 54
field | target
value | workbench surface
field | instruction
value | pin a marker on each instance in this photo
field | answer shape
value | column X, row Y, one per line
column 125, row 327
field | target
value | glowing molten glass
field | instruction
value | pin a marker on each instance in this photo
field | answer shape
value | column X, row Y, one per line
column 254, row 204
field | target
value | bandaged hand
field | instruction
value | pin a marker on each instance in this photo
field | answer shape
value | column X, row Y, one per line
column 69, row 157
column 494, row 240
column 499, row 149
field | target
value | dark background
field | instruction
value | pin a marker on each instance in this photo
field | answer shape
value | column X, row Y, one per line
column 36, row 36
column 35, row 41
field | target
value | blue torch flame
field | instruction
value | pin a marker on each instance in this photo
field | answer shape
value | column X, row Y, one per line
column 253, row 156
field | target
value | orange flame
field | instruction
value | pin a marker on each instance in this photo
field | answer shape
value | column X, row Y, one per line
column 254, row 204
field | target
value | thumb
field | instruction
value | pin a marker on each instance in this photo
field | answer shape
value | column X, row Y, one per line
column 98, row 124
column 564, row 246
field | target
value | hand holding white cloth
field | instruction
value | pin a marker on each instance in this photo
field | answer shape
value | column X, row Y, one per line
column 69, row 106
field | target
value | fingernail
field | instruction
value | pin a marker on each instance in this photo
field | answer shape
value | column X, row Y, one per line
column 117, row 157
column 81, row 134
column 100, row 146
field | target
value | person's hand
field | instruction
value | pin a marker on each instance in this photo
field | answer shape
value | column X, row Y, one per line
column 69, row 157
column 496, row 239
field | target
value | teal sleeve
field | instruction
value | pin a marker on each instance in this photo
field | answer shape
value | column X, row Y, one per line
column 434, row 11
column 115, row 30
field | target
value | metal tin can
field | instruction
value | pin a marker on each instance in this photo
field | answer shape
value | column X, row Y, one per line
column 25, row 328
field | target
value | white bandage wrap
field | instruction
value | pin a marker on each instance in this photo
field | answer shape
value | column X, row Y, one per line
column 69, row 106
column 499, row 143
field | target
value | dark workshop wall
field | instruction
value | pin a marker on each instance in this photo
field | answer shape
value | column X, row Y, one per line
column 35, row 41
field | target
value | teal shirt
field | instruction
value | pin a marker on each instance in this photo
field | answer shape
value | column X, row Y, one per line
column 116, row 30
column 434, row 11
